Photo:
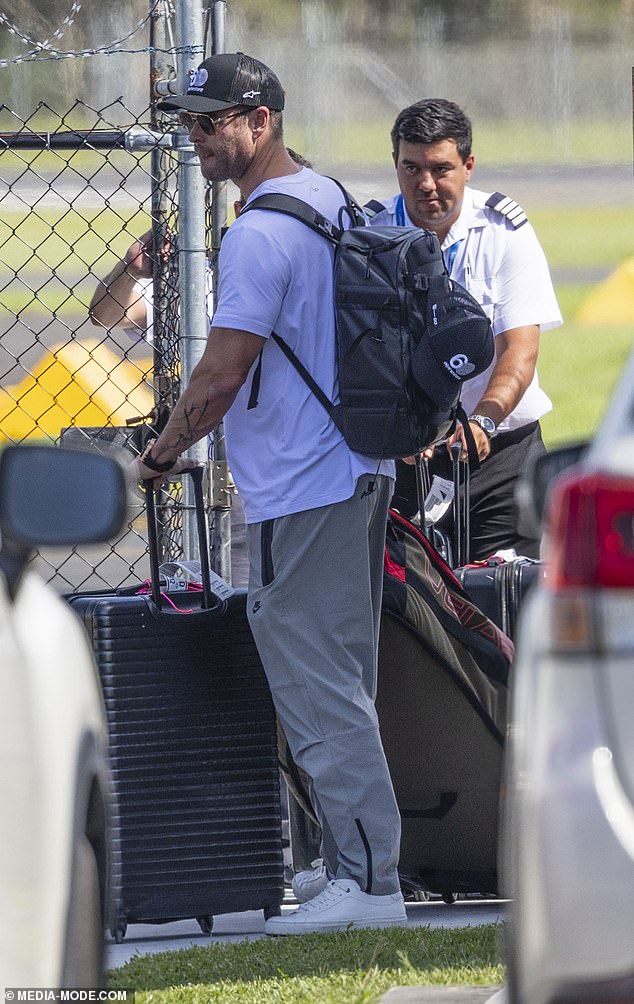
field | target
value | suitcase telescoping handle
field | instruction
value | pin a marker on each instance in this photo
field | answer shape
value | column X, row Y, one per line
column 423, row 485
column 461, row 543
column 461, row 506
column 196, row 474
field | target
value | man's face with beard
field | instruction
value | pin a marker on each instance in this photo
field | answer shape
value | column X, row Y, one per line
column 228, row 153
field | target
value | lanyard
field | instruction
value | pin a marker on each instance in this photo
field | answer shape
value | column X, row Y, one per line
column 450, row 255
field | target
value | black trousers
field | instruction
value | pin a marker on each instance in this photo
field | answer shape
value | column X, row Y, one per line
column 494, row 513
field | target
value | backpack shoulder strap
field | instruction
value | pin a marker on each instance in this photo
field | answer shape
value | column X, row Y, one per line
column 298, row 365
column 305, row 375
column 472, row 450
column 299, row 210
column 281, row 203
column 352, row 207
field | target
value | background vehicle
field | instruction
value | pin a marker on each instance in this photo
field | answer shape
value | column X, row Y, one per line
column 568, row 831
column 54, row 782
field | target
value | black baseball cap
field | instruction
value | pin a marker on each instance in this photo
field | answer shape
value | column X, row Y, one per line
column 226, row 80
column 458, row 343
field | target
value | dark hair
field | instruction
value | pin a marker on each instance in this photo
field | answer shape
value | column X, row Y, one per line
column 430, row 121
column 298, row 157
column 277, row 126
column 263, row 77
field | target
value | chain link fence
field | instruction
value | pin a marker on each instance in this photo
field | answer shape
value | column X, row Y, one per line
column 78, row 188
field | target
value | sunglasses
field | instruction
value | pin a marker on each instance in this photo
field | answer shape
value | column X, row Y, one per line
column 208, row 125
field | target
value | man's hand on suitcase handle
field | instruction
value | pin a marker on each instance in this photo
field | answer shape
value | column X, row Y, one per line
column 154, row 472
column 426, row 454
column 482, row 442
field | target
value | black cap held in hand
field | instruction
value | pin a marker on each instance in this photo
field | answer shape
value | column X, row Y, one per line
column 225, row 81
column 458, row 343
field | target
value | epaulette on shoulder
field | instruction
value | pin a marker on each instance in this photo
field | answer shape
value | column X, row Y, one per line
column 373, row 208
column 507, row 207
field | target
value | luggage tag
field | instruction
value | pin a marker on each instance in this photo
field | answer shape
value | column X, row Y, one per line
column 439, row 499
column 180, row 574
column 219, row 586
column 171, row 584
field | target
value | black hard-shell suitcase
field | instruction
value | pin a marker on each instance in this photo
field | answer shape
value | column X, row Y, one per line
column 521, row 576
column 487, row 587
column 193, row 750
column 499, row 588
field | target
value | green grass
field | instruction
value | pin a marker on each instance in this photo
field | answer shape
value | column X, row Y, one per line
column 500, row 143
column 355, row 967
column 50, row 260
column 366, row 141
column 578, row 367
column 589, row 142
column 581, row 237
column 67, row 241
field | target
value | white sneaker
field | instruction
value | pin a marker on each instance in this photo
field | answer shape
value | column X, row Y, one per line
column 339, row 907
column 308, row 884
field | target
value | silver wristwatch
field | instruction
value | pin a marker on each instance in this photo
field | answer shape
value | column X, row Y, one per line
column 486, row 424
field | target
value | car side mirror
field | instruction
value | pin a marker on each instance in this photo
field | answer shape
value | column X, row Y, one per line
column 533, row 488
column 55, row 497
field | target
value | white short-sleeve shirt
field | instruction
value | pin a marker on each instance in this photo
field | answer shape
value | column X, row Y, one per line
column 275, row 274
column 144, row 288
column 505, row 269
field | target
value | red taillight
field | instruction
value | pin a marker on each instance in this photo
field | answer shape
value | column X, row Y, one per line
column 591, row 531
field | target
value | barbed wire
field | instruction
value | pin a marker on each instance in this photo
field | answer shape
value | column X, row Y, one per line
column 190, row 50
column 44, row 50
column 58, row 34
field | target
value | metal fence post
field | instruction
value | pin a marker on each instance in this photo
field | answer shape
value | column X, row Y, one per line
column 192, row 254
column 221, row 493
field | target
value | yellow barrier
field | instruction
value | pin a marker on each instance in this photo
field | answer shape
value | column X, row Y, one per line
column 613, row 301
column 78, row 383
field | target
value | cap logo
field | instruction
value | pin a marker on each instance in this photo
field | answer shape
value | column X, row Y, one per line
column 459, row 365
column 251, row 94
column 197, row 79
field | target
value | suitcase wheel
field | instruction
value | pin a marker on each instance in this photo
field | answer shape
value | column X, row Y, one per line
column 119, row 932
column 206, row 924
column 272, row 911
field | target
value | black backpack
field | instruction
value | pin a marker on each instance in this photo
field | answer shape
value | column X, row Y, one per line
column 407, row 335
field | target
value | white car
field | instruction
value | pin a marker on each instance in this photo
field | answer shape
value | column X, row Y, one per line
column 54, row 780
column 568, row 830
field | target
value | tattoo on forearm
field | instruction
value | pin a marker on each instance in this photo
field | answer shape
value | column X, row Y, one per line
column 192, row 418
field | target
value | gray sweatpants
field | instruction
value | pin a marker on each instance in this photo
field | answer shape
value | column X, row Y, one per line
column 314, row 607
